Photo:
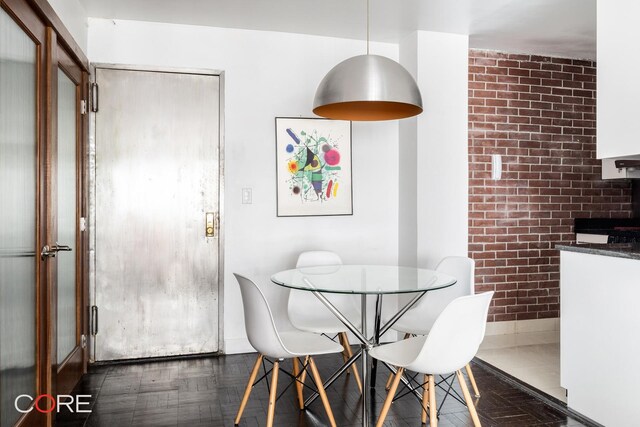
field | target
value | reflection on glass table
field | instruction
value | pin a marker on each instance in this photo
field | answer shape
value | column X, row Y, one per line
column 364, row 280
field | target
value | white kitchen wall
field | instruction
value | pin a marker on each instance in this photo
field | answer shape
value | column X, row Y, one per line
column 437, row 161
column 269, row 74
column 442, row 158
column 407, row 162
column 74, row 16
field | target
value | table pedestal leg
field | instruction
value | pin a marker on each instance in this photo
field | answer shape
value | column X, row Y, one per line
column 376, row 338
column 366, row 379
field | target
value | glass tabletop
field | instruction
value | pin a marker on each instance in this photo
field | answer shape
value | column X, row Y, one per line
column 363, row 279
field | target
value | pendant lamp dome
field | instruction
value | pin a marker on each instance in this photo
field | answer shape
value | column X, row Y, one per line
column 368, row 88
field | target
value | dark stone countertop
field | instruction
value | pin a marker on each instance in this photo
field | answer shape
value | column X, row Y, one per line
column 619, row 250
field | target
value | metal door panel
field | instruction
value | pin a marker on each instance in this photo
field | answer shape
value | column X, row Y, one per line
column 157, row 175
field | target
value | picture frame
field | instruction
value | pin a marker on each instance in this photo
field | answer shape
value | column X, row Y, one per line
column 313, row 167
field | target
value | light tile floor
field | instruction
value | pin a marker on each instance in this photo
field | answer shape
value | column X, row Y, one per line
column 532, row 357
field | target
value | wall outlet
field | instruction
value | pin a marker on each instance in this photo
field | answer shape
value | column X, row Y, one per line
column 496, row 166
column 246, row 196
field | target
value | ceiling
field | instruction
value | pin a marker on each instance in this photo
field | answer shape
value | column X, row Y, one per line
column 545, row 27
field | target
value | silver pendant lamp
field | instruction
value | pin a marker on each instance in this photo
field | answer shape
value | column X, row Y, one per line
column 368, row 88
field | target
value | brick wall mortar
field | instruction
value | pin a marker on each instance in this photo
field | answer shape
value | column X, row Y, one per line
column 539, row 113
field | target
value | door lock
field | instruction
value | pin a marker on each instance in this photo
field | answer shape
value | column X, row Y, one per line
column 210, row 224
column 51, row 251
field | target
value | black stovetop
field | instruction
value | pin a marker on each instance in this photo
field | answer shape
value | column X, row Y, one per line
column 619, row 230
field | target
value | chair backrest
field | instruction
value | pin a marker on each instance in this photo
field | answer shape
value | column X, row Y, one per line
column 455, row 336
column 318, row 258
column 462, row 268
column 433, row 303
column 259, row 320
column 301, row 303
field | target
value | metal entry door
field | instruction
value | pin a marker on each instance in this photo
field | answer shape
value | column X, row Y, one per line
column 156, row 199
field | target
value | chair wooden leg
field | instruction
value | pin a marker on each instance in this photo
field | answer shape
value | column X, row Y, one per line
column 433, row 409
column 473, row 380
column 467, row 398
column 296, row 373
column 271, row 411
column 388, row 384
column 425, row 399
column 347, row 347
column 247, row 391
column 321, row 392
column 390, row 396
column 303, row 377
column 344, row 351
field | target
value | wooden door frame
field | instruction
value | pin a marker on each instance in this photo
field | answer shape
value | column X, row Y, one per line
column 34, row 28
column 39, row 21
column 46, row 13
column 64, row 375
column 221, row 176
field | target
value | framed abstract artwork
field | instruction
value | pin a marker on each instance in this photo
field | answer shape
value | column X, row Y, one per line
column 313, row 161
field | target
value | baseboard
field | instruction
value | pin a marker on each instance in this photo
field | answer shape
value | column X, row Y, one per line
column 520, row 326
column 241, row 345
column 154, row 359
column 237, row 346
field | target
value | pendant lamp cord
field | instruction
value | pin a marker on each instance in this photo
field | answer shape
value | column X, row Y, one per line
column 367, row 27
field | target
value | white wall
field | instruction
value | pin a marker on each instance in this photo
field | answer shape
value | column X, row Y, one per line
column 440, row 64
column 270, row 74
column 407, row 170
column 74, row 16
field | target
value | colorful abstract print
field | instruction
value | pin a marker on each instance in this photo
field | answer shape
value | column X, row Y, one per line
column 313, row 165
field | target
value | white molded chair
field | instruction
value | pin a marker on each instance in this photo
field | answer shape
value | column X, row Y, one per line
column 270, row 332
column 420, row 319
column 309, row 314
column 451, row 344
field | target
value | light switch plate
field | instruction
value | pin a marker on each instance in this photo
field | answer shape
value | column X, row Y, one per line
column 246, row 196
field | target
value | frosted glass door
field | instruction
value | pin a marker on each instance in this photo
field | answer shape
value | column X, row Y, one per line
column 18, row 161
column 67, row 196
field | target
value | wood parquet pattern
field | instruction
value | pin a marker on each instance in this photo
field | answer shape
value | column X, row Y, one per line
column 207, row 392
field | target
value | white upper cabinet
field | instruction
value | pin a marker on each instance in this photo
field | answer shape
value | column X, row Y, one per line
column 618, row 91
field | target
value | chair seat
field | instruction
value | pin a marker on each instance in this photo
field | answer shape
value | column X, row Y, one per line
column 300, row 343
column 324, row 322
column 413, row 322
column 400, row 353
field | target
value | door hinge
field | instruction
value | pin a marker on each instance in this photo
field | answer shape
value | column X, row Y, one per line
column 83, row 341
column 94, row 320
column 83, row 107
column 94, row 97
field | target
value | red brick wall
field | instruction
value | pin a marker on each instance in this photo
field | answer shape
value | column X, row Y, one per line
column 539, row 114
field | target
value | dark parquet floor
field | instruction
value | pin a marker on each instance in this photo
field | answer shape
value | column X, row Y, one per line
column 207, row 392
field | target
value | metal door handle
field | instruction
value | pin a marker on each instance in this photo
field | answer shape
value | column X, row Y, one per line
column 57, row 247
column 51, row 251
column 211, row 224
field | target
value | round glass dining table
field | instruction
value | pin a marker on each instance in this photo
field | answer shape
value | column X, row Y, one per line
column 363, row 280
